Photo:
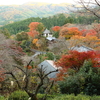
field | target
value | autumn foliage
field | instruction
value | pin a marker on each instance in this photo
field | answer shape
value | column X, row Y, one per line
column 33, row 33
column 75, row 60
column 74, row 31
column 34, row 41
column 33, row 25
column 91, row 32
column 2, row 75
column 89, row 41
column 35, row 29
column 56, row 28
column 0, row 61
column 28, row 67
column 69, row 32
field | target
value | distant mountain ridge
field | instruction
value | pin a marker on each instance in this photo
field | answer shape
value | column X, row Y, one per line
column 12, row 13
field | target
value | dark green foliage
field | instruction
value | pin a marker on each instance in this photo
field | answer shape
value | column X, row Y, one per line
column 70, row 85
column 47, row 56
column 91, row 76
column 40, row 28
column 69, row 19
column 50, row 56
column 56, row 34
column 20, row 26
column 25, row 45
column 87, row 81
column 18, row 95
column 74, row 18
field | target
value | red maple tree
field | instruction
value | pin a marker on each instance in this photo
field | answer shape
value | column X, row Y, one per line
column 56, row 28
column 33, row 33
column 75, row 60
column 91, row 32
column 33, row 25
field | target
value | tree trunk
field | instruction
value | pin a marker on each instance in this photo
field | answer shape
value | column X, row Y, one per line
column 33, row 97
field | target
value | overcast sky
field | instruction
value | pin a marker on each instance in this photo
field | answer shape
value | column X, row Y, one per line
column 18, row 2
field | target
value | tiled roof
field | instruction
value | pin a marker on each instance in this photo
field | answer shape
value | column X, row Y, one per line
column 46, row 31
column 48, row 66
column 81, row 48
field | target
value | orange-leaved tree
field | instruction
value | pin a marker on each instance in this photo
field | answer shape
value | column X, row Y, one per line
column 89, row 41
column 69, row 32
column 34, row 41
column 35, row 29
column 33, row 25
column 56, row 28
column 75, row 60
column 33, row 33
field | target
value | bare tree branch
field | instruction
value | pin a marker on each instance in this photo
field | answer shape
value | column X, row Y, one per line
column 14, row 78
column 50, row 73
column 91, row 6
column 97, row 3
column 20, row 69
column 27, row 79
column 42, row 77
column 88, row 9
column 48, row 90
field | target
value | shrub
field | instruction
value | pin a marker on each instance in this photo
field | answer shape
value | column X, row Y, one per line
column 41, row 96
column 70, row 85
column 2, row 98
column 73, row 97
column 86, row 81
column 18, row 95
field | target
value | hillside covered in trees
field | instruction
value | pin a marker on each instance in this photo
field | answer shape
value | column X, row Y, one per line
column 52, row 58
column 12, row 13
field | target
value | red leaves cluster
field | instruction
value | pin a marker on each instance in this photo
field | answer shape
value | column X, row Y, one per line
column 0, row 61
column 2, row 75
column 91, row 32
column 74, row 31
column 56, row 28
column 33, row 29
column 76, row 59
column 28, row 67
column 69, row 32
column 33, row 25
column 33, row 33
